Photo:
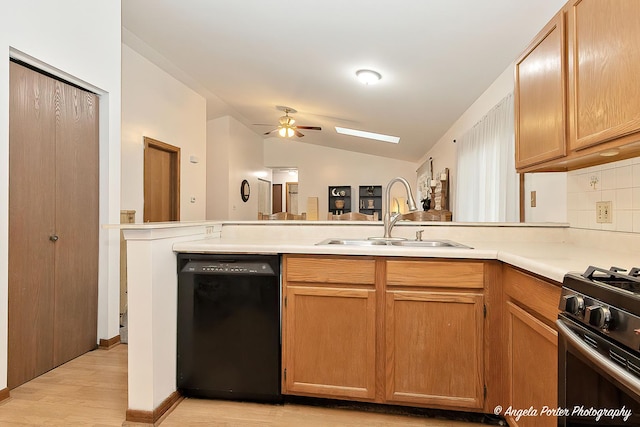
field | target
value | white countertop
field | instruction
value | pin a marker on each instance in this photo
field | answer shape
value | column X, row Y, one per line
column 550, row 259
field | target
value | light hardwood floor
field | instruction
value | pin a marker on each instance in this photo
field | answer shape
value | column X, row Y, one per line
column 92, row 391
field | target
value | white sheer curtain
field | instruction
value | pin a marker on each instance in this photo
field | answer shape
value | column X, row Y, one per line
column 487, row 182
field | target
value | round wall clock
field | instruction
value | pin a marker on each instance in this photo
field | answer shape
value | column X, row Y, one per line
column 245, row 190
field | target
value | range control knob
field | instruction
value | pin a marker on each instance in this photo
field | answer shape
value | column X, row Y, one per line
column 572, row 304
column 598, row 316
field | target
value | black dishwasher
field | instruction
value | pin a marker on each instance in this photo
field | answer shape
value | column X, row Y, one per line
column 229, row 326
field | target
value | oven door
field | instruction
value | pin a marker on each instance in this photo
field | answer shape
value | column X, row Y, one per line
column 596, row 382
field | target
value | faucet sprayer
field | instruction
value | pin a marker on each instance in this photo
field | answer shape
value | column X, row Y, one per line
column 389, row 221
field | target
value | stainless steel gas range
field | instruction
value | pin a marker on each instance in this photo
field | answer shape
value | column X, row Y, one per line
column 599, row 348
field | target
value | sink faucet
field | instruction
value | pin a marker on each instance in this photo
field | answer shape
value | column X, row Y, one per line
column 390, row 221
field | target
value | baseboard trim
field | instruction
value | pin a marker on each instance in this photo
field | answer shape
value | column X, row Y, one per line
column 152, row 417
column 110, row 343
column 4, row 394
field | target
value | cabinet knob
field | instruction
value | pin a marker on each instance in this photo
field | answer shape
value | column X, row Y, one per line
column 53, row 238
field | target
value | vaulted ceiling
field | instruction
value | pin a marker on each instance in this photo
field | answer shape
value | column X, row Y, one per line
column 246, row 57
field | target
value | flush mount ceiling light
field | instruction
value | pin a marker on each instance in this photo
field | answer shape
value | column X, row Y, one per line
column 368, row 77
column 369, row 135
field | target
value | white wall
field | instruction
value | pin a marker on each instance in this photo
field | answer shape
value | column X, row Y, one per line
column 158, row 106
column 234, row 153
column 551, row 200
column 87, row 53
column 320, row 167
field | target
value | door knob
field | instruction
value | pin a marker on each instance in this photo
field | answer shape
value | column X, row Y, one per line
column 53, row 238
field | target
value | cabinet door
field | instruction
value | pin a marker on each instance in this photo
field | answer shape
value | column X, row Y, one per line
column 532, row 349
column 330, row 342
column 539, row 102
column 434, row 348
column 604, row 58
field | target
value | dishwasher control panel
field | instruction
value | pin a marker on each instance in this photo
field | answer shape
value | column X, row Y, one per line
column 223, row 267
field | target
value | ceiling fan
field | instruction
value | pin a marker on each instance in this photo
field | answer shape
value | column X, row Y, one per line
column 287, row 127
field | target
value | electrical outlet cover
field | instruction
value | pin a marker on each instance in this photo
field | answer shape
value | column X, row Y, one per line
column 603, row 212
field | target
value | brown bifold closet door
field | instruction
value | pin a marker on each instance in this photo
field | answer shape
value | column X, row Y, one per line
column 53, row 223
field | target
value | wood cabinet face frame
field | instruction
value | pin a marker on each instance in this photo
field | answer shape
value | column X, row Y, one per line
column 602, row 106
column 530, row 344
column 540, row 97
column 300, row 280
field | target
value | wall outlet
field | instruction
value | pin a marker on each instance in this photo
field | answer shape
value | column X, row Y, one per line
column 603, row 212
column 533, row 199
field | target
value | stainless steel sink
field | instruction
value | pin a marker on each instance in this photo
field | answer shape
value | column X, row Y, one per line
column 353, row 242
column 430, row 244
column 395, row 242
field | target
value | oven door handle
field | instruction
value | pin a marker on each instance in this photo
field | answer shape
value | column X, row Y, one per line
column 607, row 366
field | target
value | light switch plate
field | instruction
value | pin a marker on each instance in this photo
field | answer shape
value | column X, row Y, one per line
column 603, row 212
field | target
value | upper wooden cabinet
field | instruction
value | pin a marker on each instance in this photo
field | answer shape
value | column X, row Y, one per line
column 576, row 90
column 604, row 58
column 539, row 102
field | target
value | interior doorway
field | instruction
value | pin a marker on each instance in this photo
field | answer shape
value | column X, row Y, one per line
column 276, row 206
column 161, row 181
column 292, row 197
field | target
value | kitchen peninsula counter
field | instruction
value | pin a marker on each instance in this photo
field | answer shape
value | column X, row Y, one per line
column 548, row 250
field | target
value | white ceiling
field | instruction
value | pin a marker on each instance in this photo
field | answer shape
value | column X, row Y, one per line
column 247, row 56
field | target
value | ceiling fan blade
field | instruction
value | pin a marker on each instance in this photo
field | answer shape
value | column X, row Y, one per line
column 309, row 127
column 298, row 133
column 271, row 131
column 261, row 124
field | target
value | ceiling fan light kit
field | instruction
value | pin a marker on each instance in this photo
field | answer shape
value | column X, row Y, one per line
column 368, row 77
column 287, row 128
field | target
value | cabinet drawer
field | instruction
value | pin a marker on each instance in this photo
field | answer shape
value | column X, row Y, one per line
column 538, row 295
column 330, row 270
column 436, row 274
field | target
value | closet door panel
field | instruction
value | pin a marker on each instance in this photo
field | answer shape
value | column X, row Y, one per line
column 76, row 207
column 31, row 223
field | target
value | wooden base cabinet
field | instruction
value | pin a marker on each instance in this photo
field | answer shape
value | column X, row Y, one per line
column 402, row 331
column 329, row 335
column 434, row 348
column 331, row 343
column 531, row 307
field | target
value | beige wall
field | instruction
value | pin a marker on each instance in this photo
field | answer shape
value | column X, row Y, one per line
column 234, row 153
column 320, row 167
column 156, row 105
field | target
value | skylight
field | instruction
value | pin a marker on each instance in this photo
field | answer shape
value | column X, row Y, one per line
column 369, row 135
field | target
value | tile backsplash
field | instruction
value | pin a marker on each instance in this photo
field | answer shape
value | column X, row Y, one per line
column 617, row 182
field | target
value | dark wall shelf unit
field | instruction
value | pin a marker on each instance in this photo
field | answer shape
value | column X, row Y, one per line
column 370, row 200
column 337, row 193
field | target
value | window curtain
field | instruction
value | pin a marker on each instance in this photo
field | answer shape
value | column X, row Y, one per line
column 487, row 182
